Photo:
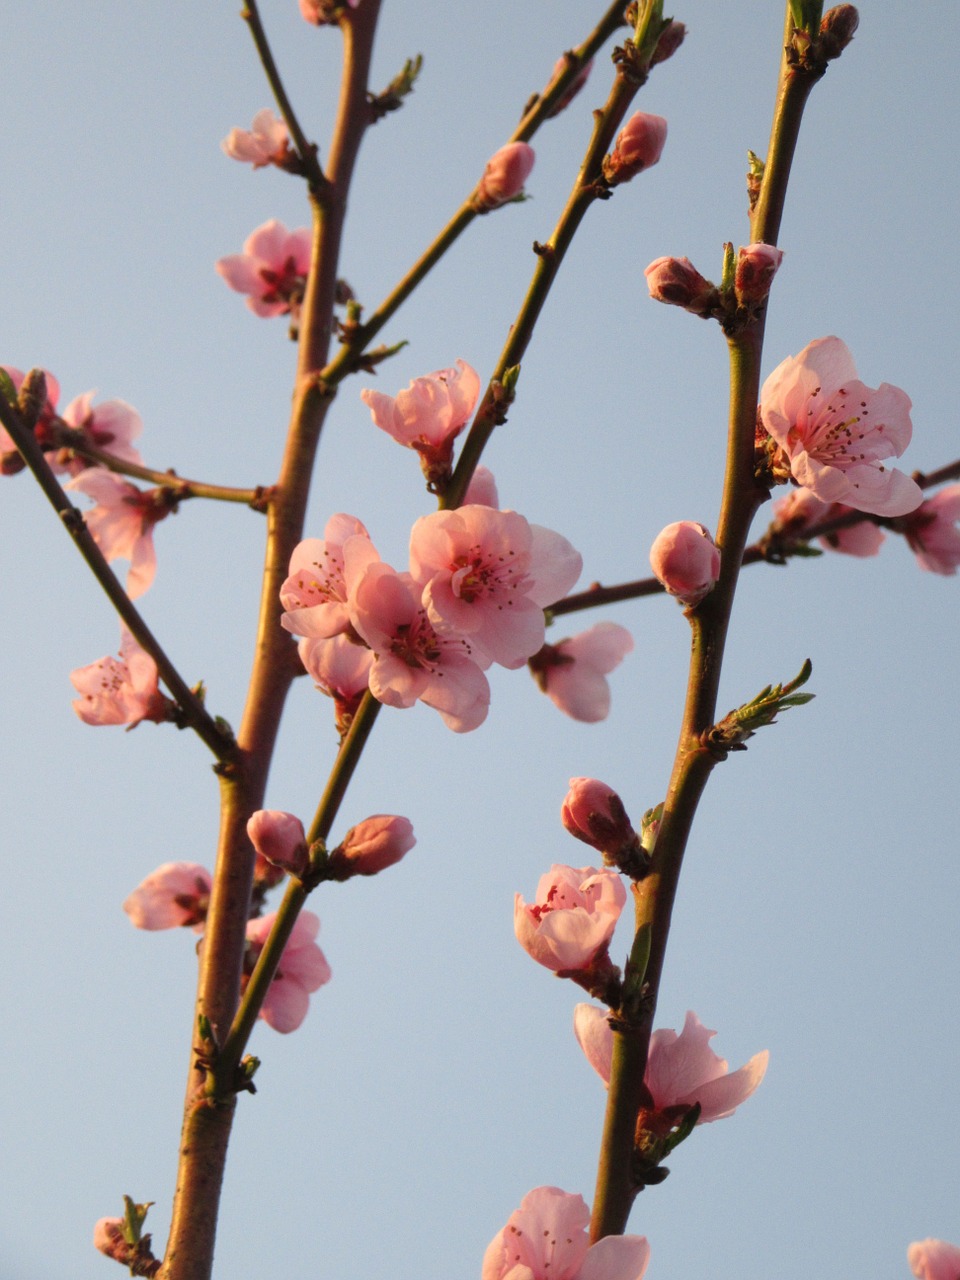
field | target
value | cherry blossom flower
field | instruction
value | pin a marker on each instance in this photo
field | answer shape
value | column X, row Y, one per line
column 639, row 145
column 595, row 814
column 120, row 690
column 372, row 845
column 757, row 264
column 412, row 660
column 279, row 837
column 112, row 426
column 801, row 510
column 681, row 1069
column 933, row 1259
column 546, row 1239
column 834, row 430
column 482, row 489
column 315, row 594
column 10, row 460
column 570, row 924
column 303, row 968
column 677, row 282
column 122, row 522
column 503, row 178
column 488, row 575
column 572, row 672
column 175, row 895
column 428, row 415
column 932, row 531
column 686, row 560
column 268, row 142
column 272, row 269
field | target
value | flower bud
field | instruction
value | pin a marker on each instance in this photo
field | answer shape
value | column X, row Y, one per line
column 671, row 38
column 686, row 560
column 638, row 146
column 677, row 282
column 837, row 30
column 573, row 88
column 108, row 1238
column 372, row 845
column 756, row 266
column 279, row 837
column 595, row 814
column 503, row 178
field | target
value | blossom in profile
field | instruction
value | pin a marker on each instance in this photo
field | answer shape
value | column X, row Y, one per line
column 279, row 837
column 639, row 145
column 122, row 522
column 120, row 690
column 572, row 920
column 314, row 595
column 546, row 1239
column 272, row 270
column 266, row 142
column 933, row 533
column 503, row 178
column 686, row 560
column 834, row 430
column 371, row 846
column 340, row 668
column 482, row 489
column 112, row 426
column 802, row 510
column 174, row 896
column 303, row 969
column 933, row 1259
column 682, row 1070
column 594, row 813
column 572, row 672
column 488, row 575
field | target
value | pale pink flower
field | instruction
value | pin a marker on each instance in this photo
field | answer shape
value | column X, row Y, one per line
column 268, row 142
column 573, row 918
column 503, row 178
column 677, row 282
column 120, row 690
column 801, row 510
column 572, row 89
column 303, row 968
column 835, row 430
column 572, row 672
column 176, row 894
column 315, row 594
column 112, row 426
column 10, row 460
column 339, row 667
column 933, row 1259
column 932, row 531
column 272, row 269
column 686, row 560
column 412, row 660
column 428, row 415
column 681, row 1069
column 482, row 489
column 546, row 1239
column 594, row 813
column 488, row 575
column 372, row 845
column 757, row 264
column 121, row 523
column 279, row 837
column 639, row 145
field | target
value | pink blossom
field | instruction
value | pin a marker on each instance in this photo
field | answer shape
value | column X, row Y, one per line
column 639, row 145
column 573, row 918
column 835, row 430
column 546, row 1239
column 932, row 1259
column 279, row 837
column 686, row 560
column 428, row 415
column 372, row 845
column 268, row 142
column 272, row 269
column 488, row 575
column 595, row 814
column 120, row 690
column 482, row 489
column 573, row 88
column 681, row 1069
column 757, row 264
column 10, row 460
column 801, row 510
column 412, row 661
column 122, row 522
column 677, row 282
column 112, row 426
column 176, row 894
column 319, row 12
column 303, row 968
column 932, row 531
column 503, row 178
column 572, row 672
column 339, row 667
column 315, row 594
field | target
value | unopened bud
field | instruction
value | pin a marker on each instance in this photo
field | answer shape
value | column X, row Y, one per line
column 671, row 38
column 279, row 837
column 686, row 560
column 756, row 266
column 595, row 814
column 677, row 282
column 638, row 146
column 837, row 30
column 573, row 88
column 503, row 178
column 370, row 846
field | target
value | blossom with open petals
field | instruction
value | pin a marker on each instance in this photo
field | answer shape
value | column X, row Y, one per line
column 488, row 575
column 801, row 510
column 267, row 142
column 112, row 426
column 177, row 894
column 835, row 430
column 933, row 1259
column 272, row 269
column 314, row 595
column 120, row 690
column 572, row 672
column 681, row 1069
column 503, row 178
column 482, row 489
column 546, row 1239
column 573, row 918
column 686, row 560
column 303, row 968
column 122, row 522
column 932, row 531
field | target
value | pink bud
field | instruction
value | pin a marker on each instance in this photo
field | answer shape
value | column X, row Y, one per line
column 372, row 845
column 503, row 178
column 686, row 560
column 677, row 282
column 279, row 837
column 108, row 1238
column 671, row 38
column 837, row 30
column 638, row 146
column 595, row 814
column 573, row 88
column 756, row 266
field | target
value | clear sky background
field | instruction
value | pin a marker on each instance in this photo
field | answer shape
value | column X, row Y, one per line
column 436, row 1079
